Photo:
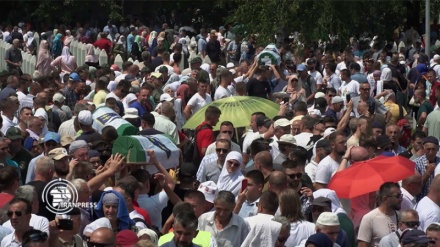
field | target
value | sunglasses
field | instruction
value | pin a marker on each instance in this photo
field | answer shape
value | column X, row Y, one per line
column 412, row 223
column 36, row 237
column 297, row 175
column 92, row 244
column 331, row 95
column 17, row 213
column 221, row 150
column 398, row 196
column 234, row 164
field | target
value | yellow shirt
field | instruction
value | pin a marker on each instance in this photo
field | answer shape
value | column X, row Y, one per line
column 395, row 113
column 99, row 97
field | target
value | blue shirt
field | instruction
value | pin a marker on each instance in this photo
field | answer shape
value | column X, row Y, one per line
column 139, row 107
column 359, row 77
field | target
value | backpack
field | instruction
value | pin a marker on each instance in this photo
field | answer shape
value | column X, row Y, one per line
column 191, row 153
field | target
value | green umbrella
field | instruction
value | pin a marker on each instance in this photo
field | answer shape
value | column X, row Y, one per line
column 237, row 109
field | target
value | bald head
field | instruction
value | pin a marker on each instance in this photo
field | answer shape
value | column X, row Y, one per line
column 103, row 235
column 263, row 159
column 359, row 154
column 224, row 136
column 416, row 178
column 277, row 178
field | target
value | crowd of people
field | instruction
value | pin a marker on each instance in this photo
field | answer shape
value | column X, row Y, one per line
column 266, row 184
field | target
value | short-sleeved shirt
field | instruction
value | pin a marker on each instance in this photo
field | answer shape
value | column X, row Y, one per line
column 204, row 137
column 325, row 170
column 395, row 112
column 209, row 170
column 154, row 206
column 258, row 88
column 429, row 212
column 432, row 123
column 375, row 225
column 197, row 102
column 424, row 107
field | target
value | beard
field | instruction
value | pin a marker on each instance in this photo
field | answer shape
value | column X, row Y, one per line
column 61, row 171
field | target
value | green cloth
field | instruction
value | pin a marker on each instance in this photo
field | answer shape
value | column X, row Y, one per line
column 346, row 225
column 427, row 107
column 433, row 124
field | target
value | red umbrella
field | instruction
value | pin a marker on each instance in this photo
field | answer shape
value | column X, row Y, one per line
column 367, row 176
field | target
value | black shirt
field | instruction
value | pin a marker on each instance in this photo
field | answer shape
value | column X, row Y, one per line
column 42, row 211
column 149, row 132
column 258, row 88
column 213, row 50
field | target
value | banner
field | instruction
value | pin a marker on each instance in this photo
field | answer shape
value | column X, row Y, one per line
column 134, row 149
column 104, row 116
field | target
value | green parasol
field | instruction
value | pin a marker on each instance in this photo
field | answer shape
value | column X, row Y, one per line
column 237, row 109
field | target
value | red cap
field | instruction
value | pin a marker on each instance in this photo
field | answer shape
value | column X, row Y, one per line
column 126, row 238
column 114, row 67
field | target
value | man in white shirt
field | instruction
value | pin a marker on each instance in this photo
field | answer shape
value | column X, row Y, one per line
column 330, row 164
column 408, row 219
column 212, row 164
column 156, row 203
column 227, row 228
column 225, row 80
column 20, row 213
column 263, row 230
column 322, row 150
column 9, row 107
column 164, row 124
column 348, row 86
column 311, row 66
column 248, row 200
column 226, row 132
column 429, row 207
column 383, row 220
column 411, row 187
column 198, row 100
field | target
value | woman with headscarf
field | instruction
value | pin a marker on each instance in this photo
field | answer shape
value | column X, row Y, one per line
column 112, row 213
column 152, row 41
column 91, row 59
column 290, row 207
column 295, row 90
column 57, row 45
column 68, row 38
column 344, row 220
column 136, row 49
column 44, row 59
column 31, row 43
column 230, row 177
column 120, row 48
column 149, row 235
column 66, row 63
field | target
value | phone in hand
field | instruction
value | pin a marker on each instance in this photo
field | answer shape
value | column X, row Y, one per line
column 65, row 224
column 244, row 184
column 286, row 100
column 348, row 98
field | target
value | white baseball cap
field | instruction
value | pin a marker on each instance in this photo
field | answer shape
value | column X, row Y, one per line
column 209, row 189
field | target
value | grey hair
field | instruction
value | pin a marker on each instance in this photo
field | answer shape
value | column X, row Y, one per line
column 225, row 196
column 43, row 165
column 407, row 213
column 186, row 220
column 77, row 183
column 285, row 223
column 25, row 192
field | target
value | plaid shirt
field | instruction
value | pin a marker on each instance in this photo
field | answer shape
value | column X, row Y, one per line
column 71, row 98
column 421, row 163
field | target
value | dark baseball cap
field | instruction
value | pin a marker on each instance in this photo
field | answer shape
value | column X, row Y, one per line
column 13, row 133
column 414, row 237
column 320, row 103
column 322, row 202
column 263, row 121
column 325, row 144
column 430, row 139
column 148, row 117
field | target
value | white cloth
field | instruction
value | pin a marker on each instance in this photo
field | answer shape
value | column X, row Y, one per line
column 231, row 181
column 311, row 170
column 351, row 88
column 330, row 194
column 101, row 222
column 8, row 123
column 299, row 231
column 429, row 212
column 375, row 225
column 37, row 222
column 263, row 231
column 197, row 102
column 139, row 224
column 222, row 92
column 65, row 55
column 67, row 128
column 42, row 114
column 317, row 76
column 408, row 200
column 326, row 168
column 303, row 140
column 10, row 241
column 165, row 125
column 249, row 209
column 249, row 138
column 154, row 206
column 232, row 235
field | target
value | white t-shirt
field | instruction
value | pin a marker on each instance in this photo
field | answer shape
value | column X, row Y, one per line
column 139, row 224
column 325, row 170
column 311, row 170
column 37, row 222
column 249, row 138
column 198, row 102
column 428, row 211
column 351, row 88
column 375, row 225
column 222, row 92
column 303, row 140
column 317, row 76
column 299, row 231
